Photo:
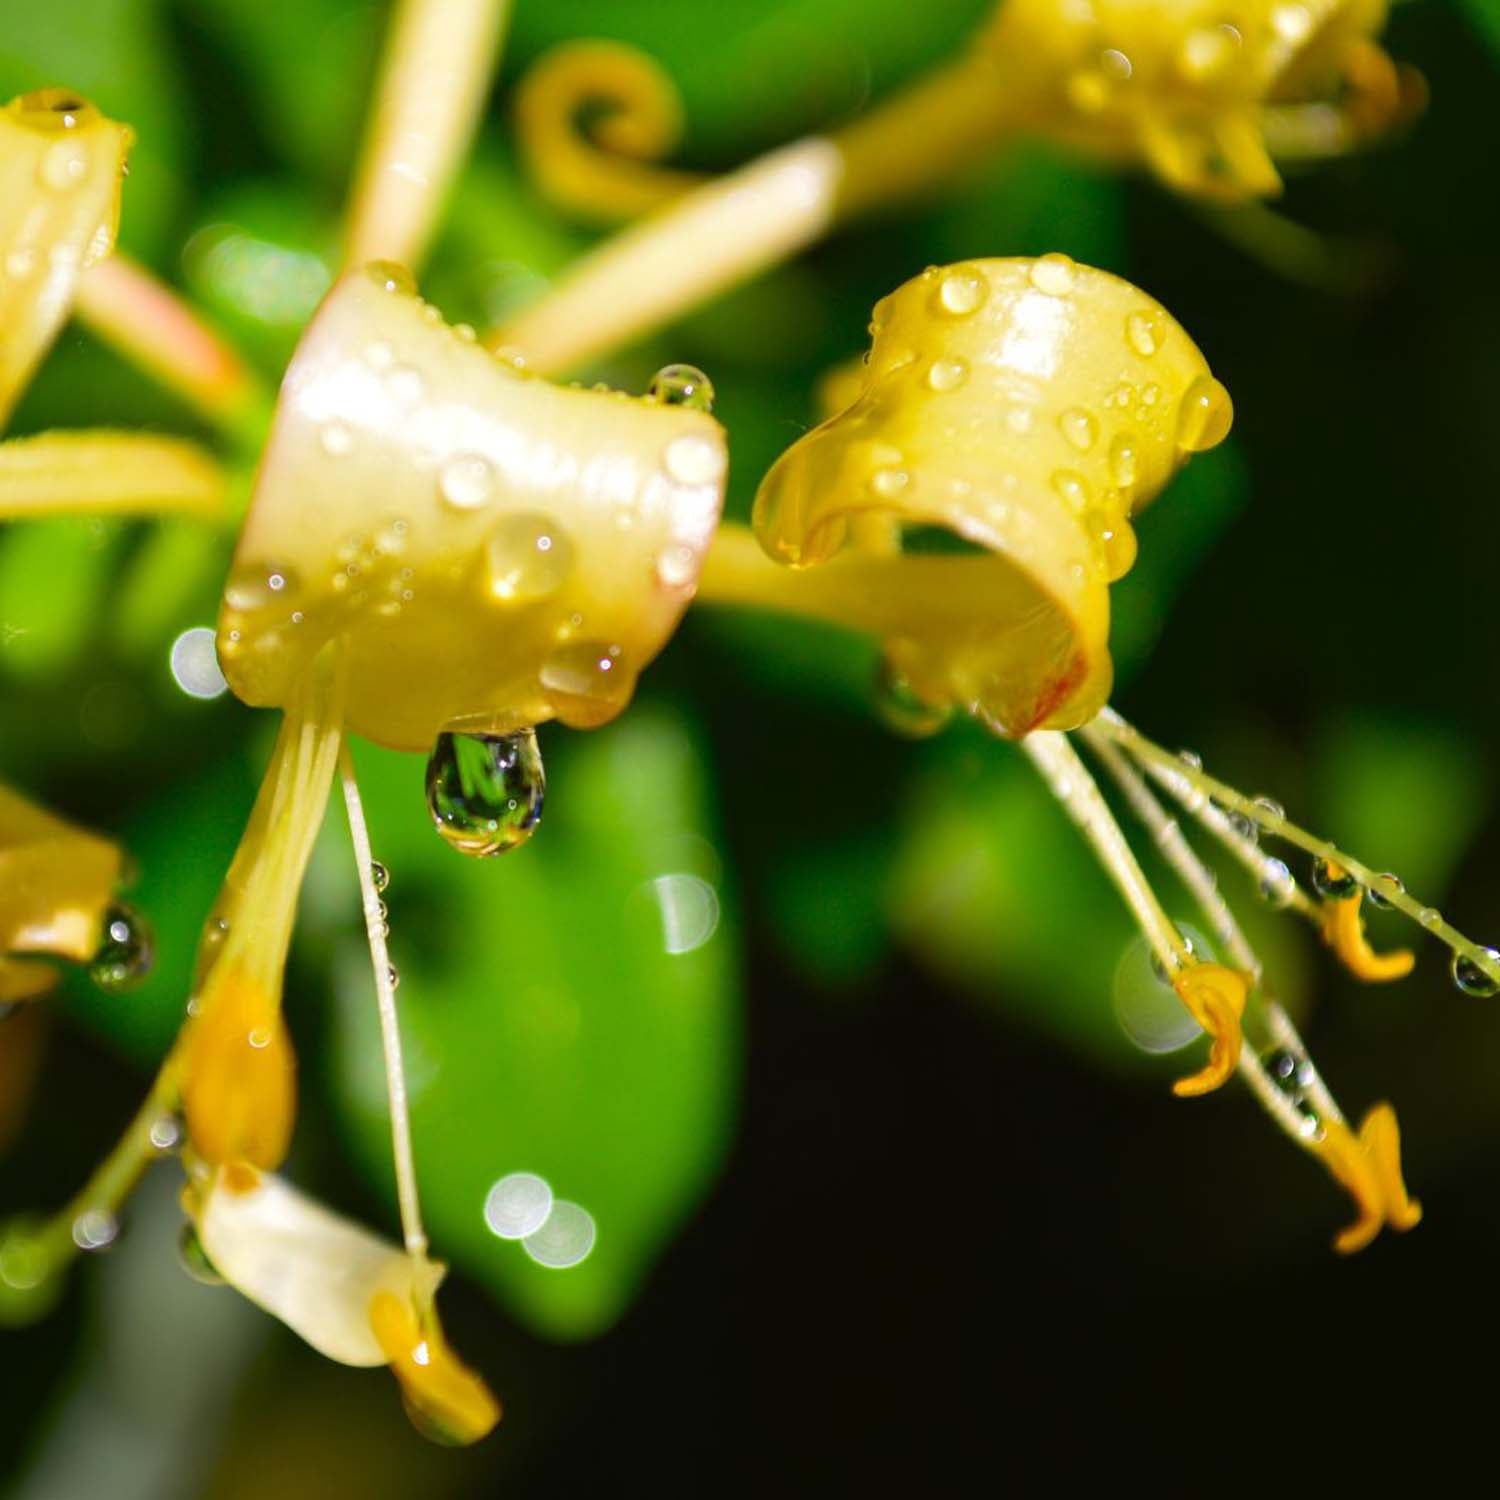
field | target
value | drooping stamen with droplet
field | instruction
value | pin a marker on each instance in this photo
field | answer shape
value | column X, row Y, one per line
column 1333, row 868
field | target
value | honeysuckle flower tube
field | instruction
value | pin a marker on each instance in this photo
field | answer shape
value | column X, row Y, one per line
column 61, row 166
column 1200, row 92
column 1030, row 409
column 442, row 550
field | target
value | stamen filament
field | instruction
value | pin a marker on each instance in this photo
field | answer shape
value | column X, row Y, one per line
column 148, row 323
column 1067, row 776
column 390, row 1029
column 1266, row 1024
column 1164, row 766
column 440, row 56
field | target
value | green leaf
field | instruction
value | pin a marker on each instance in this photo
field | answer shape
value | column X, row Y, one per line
column 548, row 1027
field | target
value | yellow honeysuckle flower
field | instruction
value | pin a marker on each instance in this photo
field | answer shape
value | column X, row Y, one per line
column 354, row 1297
column 61, row 168
column 1203, row 93
column 1029, row 409
column 61, row 164
column 57, row 900
column 1186, row 85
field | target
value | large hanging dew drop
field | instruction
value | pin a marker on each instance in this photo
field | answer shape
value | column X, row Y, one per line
column 485, row 791
column 125, row 950
column 682, row 385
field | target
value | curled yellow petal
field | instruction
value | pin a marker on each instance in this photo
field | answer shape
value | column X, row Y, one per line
column 490, row 550
column 1344, row 931
column 109, row 473
column 56, row 881
column 637, row 119
column 1215, row 997
column 302, row 1263
column 1030, row 408
column 1368, row 1167
column 447, row 1400
column 239, row 1082
column 61, row 163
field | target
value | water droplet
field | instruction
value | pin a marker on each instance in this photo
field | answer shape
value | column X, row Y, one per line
column 1332, row 882
column 193, row 1258
column 1144, row 332
column 1123, row 466
column 405, row 382
column 53, row 110
column 1429, row 917
column 1073, row 488
column 392, row 973
column 902, row 711
column 380, row 877
column 95, row 1229
column 1116, row 64
column 694, row 459
column 677, row 565
column 588, row 682
column 63, row 165
column 1205, row 416
column 335, row 438
column 1383, row 889
column 1294, row 1075
column 888, row 483
column 1269, row 814
column 1245, row 827
column 1079, row 428
column 125, row 950
column 1160, row 969
column 526, row 557
column 168, row 1132
column 485, row 791
column 1053, row 274
column 961, row 292
column 682, row 385
column 467, row 481
column 1191, row 758
column 1474, row 980
column 1145, row 1004
column 947, row 374
column 1277, row 884
column 258, row 584
column 390, row 277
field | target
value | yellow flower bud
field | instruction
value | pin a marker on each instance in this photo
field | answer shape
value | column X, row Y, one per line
column 492, row 551
column 1029, row 407
column 61, row 163
column 56, row 882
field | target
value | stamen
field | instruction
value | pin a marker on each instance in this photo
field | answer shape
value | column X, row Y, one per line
column 1344, row 931
column 238, row 1088
column 390, row 1028
column 1369, row 1166
column 149, row 324
column 109, row 473
column 1171, row 771
column 1213, row 994
column 446, row 1399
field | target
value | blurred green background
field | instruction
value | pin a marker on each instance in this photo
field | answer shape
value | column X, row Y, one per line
column 883, row 1194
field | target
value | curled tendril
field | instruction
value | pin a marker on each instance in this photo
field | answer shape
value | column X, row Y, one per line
column 593, row 118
